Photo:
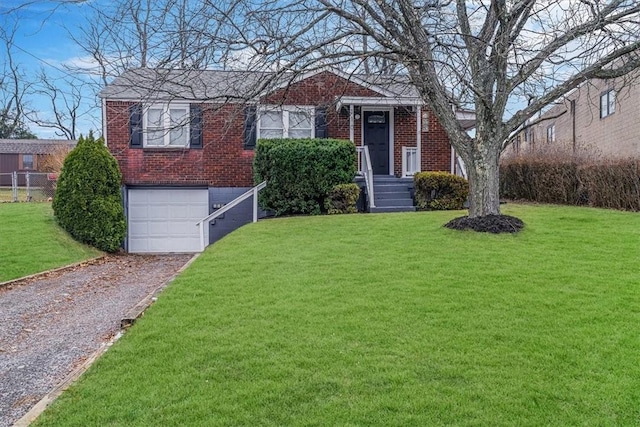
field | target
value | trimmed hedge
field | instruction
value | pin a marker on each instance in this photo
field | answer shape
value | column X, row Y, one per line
column 572, row 180
column 613, row 184
column 343, row 199
column 88, row 202
column 440, row 191
column 542, row 180
column 302, row 172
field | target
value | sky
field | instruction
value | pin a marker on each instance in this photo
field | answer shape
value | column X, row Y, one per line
column 42, row 41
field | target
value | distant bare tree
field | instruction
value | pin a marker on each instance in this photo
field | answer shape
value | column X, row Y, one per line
column 65, row 98
column 127, row 34
column 13, row 88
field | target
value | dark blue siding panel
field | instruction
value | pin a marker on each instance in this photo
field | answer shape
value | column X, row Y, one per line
column 233, row 219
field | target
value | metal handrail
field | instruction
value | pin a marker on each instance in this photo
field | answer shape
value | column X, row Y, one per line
column 368, row 176
column 232, row 204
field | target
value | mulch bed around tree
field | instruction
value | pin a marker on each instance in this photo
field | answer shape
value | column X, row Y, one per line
column 487, row 224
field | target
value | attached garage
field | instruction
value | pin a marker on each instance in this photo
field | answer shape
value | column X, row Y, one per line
column 164, row 219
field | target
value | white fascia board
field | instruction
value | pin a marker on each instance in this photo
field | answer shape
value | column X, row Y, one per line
column 171, row 100
column 367, row 101
column 465, row 115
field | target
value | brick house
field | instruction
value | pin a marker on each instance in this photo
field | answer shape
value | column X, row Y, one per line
column 184, row 140
column 599, row 115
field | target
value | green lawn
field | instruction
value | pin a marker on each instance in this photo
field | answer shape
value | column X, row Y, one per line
column 31, row 241
column 6, row 194
column 386, row 320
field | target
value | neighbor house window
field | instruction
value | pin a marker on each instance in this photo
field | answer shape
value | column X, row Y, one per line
column 551, row 133
column 516, row 143
column 166, row 125
column 607, row 103
column 27, row 161
column 286, row 122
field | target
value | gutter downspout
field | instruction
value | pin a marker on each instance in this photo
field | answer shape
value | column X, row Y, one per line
column 419, row 136
column 104, row 120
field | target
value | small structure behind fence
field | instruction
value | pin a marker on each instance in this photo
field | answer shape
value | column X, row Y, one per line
column 27, row 186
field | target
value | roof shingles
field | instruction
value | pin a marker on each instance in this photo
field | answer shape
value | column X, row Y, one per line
column 33, row 146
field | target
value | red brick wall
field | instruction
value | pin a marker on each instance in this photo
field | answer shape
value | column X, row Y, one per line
column 436, row 150
column 222, row 162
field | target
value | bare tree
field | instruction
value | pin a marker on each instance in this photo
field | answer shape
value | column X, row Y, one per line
column 490, row 56
column 65, row 96
column 13, row 89
column 128, row 34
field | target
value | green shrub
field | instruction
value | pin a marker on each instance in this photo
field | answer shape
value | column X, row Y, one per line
column 342, row 199
column 88, row 202
column 301, row 172
column 440, row 191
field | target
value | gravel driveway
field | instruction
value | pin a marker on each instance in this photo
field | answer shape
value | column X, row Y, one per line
column 51, row 324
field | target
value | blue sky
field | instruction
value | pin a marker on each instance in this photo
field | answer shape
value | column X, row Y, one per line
column 42, row 41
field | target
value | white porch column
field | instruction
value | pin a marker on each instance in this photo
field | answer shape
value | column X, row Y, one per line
column 351, row 124
column 419, row 135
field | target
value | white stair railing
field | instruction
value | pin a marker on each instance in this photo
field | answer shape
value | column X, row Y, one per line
column 409, row 161
column 367, row 171
column 232, row 204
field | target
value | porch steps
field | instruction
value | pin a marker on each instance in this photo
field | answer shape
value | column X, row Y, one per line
column 392, row 194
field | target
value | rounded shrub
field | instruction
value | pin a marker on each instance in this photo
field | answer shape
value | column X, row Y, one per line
column 343, row 199
column 440, row 191
column 302, row 172
column 88, row 201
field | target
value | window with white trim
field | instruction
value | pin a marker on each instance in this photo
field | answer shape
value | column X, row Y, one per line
column 607, row 103
column 166, row 125
column 286, row 122
column 551, row 133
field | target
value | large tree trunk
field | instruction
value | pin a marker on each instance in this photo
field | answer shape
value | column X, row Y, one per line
column 484, row 181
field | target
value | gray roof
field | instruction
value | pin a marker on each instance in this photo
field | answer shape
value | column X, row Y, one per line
column 228, row 86
column 33, row 146
column 163, row 84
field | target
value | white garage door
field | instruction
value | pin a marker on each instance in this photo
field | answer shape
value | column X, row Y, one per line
column 164, row 220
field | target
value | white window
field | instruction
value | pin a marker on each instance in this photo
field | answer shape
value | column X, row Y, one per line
column 286, row 122
column 607, row 103
column 166, row 125
column 551, row 133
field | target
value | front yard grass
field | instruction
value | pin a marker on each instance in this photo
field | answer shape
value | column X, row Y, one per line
column 386, row 320
column 31, row 241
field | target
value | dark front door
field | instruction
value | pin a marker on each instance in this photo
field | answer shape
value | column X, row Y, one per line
column 376, row 137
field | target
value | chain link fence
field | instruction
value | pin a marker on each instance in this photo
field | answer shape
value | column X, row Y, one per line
column 27, row 186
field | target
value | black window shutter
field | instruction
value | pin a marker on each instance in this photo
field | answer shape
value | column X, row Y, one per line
column 250, row 128
column 195, row 130
column 321, row 122
column 135, row 126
